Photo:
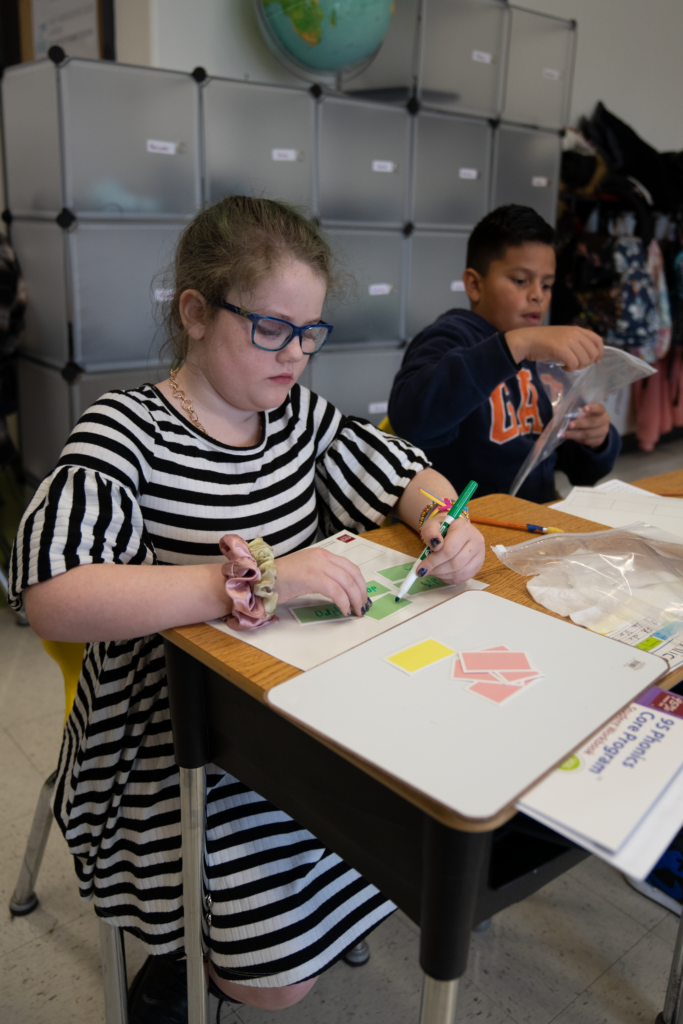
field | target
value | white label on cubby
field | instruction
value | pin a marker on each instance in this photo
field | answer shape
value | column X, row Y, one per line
column 551, row 74
column 378, row 408
column 380, row 289
column 482, row 57
column 457, row 286
column 468, row 173
column 538, row 181
column 163, row 294
column 157, row 146
column 284, row 154
column 384, row 166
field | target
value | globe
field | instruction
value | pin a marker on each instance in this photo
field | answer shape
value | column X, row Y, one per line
column 322, row 38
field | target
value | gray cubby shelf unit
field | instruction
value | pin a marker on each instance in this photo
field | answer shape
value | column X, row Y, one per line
column 101, row 140
column 526, row 169
column 94, row 290
column 363, row 162
column 259, row 140
column 105, row 164
column 49, row 406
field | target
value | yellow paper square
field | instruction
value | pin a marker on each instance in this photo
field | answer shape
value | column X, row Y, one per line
column 412, row 659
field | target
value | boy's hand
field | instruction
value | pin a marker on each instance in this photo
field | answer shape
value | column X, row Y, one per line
column 574, row 347
column 591, row 428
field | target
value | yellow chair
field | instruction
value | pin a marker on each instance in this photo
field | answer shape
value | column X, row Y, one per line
column 385, row 425
column 69, row 657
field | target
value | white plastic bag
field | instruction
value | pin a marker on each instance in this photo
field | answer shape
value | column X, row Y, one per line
column 626, row 574
column 569, row 392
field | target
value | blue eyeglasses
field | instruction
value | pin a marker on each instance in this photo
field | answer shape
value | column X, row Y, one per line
column 271, row 334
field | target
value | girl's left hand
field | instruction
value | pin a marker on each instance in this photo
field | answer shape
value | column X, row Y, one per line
column 457, row 557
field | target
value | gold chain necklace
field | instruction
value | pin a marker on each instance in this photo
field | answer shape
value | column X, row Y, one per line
column 185, row 403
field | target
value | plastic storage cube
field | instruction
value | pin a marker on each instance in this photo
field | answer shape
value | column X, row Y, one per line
column 363, row 155
column 462, row 55
column 40, row 246
column 44, row 416
column 31, row 139
column 129, row 145
column 118, row 290
column 526, row 169
column 258, row 141
column 540, row 68
column 391, row 77
column 451, row 171
column 104, row 278
column 49, row 407
column 437, row 262
column 357, row 380
column 373, row 312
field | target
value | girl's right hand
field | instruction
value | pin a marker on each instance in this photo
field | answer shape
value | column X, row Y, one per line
column 316, row 571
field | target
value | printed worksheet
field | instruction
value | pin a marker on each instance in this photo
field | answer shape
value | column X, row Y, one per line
column 312, row 630
column 615, row 507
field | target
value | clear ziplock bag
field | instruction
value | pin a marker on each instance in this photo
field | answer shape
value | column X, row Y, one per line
column 569, row 392
column 626, row 582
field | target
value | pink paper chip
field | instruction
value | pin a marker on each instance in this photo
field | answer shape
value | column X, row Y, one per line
column 517, row 676
column 494, row 661
column 459, row 673
column 498, row 693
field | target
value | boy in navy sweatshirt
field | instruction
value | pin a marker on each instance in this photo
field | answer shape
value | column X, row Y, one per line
column 468, row 392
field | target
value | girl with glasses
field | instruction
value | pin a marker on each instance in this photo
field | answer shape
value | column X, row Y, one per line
column 122, row 541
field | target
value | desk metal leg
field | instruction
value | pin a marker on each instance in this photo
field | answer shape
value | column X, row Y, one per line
column 439, row 1001
column 673, row 1004
column 192, row 815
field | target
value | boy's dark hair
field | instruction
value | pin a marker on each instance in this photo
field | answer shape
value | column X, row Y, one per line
column 502, row 229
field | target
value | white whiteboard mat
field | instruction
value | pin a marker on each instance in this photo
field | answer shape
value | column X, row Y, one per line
column 311, row 645
column 430, row 731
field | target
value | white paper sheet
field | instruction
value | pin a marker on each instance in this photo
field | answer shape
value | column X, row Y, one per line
column 620, row 509
column 619, row 487
column 311, row 645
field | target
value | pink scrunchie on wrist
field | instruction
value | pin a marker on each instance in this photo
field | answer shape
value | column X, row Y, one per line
column 241, row 572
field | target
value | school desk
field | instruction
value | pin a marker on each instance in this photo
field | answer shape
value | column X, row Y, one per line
column 446, row 872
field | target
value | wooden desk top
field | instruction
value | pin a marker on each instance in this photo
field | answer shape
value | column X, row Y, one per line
column 256, row 672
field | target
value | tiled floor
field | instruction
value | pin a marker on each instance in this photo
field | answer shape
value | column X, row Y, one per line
column 586, row 949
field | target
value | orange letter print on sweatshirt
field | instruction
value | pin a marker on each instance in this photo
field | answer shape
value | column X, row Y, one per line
column 504, row 425
column 506, row 422
column 529, row 419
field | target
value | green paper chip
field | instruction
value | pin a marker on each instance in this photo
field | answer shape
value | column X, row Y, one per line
column 386, row 605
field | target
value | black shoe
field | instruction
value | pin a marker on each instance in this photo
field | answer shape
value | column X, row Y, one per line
column 158, row 994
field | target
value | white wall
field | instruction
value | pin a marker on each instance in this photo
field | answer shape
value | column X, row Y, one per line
column 629, row 53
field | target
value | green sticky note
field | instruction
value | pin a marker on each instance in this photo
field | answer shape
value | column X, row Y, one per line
column 647, row 645
column 396, row 573
column 317, row 613
column 375, row 589
column 426, row 583
column 386, row 605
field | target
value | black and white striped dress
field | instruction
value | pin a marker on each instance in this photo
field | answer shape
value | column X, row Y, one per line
column 137, row 484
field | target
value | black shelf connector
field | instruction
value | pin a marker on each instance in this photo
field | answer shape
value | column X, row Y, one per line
column 71, row 372
column 65, row 218
column 56, row 55
column 199, row 74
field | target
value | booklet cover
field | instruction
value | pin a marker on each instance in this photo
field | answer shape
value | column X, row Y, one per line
column 605, row 788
